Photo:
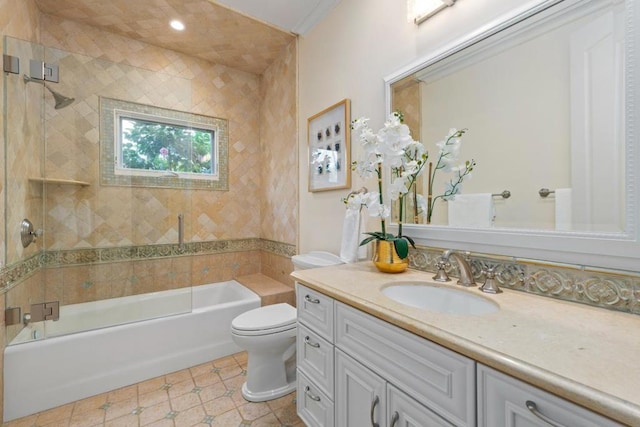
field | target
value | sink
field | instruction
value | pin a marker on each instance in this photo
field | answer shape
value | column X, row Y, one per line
column 440, row 299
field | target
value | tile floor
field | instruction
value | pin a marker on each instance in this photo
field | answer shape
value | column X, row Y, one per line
column 205, row 395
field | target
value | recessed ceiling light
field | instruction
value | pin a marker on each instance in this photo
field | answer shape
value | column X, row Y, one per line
column 177, row 25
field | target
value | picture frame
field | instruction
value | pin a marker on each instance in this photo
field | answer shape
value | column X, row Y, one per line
column 329, row 141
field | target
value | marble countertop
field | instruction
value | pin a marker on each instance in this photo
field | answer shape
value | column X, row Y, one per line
column 587, row 355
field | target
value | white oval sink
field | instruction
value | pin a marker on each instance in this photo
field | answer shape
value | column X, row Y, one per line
column 439, row 299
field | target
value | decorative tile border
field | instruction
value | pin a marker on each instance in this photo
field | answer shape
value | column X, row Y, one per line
column 614, row 290
column 17, row 272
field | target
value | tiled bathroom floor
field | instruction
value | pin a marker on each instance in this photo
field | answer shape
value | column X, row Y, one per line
column 205, row 395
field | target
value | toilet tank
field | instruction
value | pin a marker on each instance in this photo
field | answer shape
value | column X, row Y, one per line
column 315, row 259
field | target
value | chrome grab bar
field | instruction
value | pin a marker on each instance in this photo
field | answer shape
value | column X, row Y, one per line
column 181, row 231
column 307, row 341
column 531, row 406
column 373, row 408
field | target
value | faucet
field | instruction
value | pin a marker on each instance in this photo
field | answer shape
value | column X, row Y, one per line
column 466, row 275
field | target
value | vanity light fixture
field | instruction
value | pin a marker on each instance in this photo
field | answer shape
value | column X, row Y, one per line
column 177, row 25
column 421, row 10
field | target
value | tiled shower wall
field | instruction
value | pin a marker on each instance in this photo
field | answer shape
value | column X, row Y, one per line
column 109, row 65
column 280, row 166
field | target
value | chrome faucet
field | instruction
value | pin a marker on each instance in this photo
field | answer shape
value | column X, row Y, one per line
column 466, row 275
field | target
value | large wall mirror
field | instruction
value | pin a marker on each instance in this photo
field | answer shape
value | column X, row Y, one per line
column 546, row 94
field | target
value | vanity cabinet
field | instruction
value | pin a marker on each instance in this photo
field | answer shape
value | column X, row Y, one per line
column 364, row 367
column 356, row 370
column 504, row 401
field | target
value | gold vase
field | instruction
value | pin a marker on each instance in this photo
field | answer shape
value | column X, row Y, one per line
column 386, row 259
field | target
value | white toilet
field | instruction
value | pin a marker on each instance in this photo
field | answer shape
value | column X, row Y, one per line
column 269, row 335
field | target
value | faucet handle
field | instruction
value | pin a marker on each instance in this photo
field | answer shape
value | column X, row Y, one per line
column 441, row 274
column 490, row 285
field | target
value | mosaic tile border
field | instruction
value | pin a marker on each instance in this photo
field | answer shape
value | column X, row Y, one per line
column 612, row 290
column 15, row 273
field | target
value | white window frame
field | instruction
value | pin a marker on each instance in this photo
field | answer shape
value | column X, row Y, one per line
column 119, row 169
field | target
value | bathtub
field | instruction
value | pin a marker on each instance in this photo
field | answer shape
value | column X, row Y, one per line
column 83, row 355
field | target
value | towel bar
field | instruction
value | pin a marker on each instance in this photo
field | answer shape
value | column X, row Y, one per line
column 544, row 192
column 505, row 194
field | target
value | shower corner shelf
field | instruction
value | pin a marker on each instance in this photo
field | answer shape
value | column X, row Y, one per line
column 60, row 181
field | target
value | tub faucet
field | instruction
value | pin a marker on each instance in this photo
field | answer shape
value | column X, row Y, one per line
column 466, row 275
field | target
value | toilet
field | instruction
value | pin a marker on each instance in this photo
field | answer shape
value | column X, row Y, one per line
column 268, row 334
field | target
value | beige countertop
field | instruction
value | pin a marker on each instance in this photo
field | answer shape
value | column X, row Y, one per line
column 587, row 355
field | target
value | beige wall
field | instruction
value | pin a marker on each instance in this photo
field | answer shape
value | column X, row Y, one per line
column 347, row 56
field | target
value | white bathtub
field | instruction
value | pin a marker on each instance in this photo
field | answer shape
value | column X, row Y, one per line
column 72, row 364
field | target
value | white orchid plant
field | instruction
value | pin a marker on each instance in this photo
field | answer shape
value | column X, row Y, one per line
column 394, row 147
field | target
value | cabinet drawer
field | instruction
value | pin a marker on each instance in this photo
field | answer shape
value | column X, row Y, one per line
column 502, row 402
column 315, row 358
column 314, row 407
column 435, row 376
column 315, row 310
column 405, row 411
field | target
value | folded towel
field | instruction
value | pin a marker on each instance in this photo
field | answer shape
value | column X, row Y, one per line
column 471, row 210
column 352, row 235
column 563, row 209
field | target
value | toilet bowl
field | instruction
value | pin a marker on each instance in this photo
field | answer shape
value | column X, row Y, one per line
column 268, row 334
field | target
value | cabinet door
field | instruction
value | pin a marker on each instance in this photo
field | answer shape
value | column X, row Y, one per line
column 504, row 401
column 403, row 411
column 360, row 398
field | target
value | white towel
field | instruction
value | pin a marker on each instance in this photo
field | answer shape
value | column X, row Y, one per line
column 471, row 210
column 352, row 229
column 563, row 209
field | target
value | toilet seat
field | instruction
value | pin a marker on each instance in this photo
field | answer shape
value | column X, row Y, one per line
column 269, row 319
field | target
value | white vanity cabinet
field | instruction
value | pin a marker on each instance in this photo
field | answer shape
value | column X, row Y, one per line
column 504, row 401
column 355, row 370
column 361, row 367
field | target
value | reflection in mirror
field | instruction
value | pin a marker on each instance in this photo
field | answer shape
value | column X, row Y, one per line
column 544, row 107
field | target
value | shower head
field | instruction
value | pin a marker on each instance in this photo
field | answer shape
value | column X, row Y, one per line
column 61, row 100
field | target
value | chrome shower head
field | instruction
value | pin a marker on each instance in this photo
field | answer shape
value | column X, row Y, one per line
column 61, row 100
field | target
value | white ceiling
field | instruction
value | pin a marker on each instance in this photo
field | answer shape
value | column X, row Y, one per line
column 296, row 16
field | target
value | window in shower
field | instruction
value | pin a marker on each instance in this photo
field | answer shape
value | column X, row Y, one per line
column 160, row 146
column 148, row 146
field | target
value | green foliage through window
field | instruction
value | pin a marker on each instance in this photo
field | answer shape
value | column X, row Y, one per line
column 160, row 146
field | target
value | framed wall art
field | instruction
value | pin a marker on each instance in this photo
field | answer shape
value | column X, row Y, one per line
column 329, row 135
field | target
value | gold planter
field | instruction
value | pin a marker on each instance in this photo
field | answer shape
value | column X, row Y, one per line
column 386, row 259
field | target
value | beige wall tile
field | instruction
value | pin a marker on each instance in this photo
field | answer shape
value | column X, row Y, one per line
column 278, row 137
